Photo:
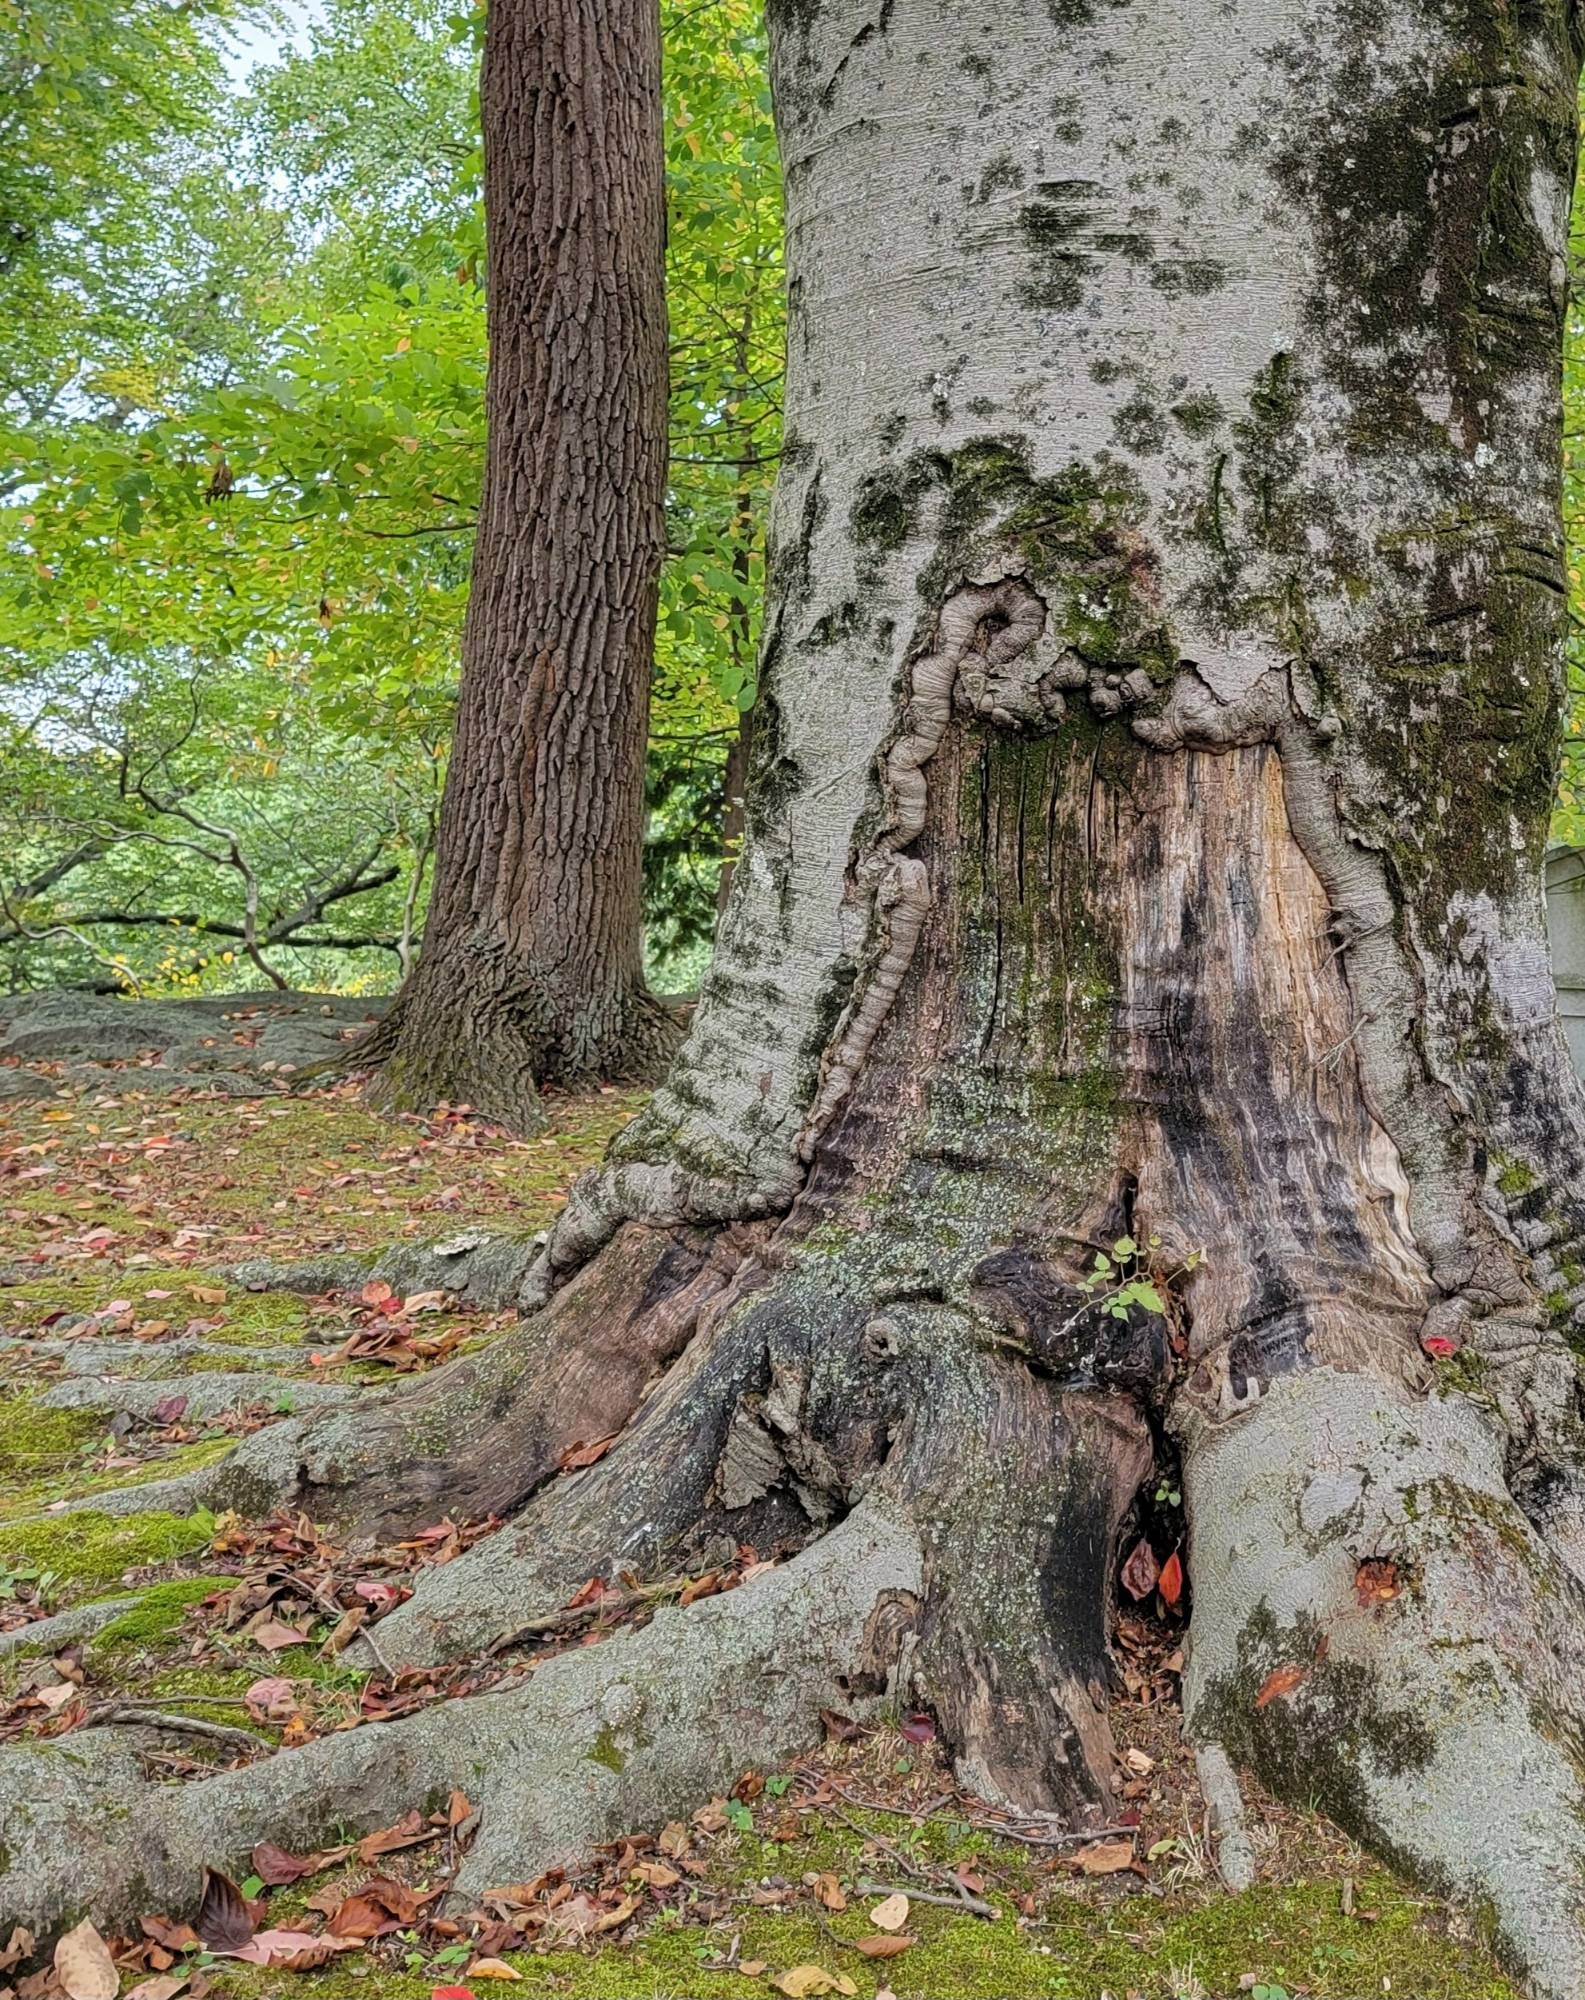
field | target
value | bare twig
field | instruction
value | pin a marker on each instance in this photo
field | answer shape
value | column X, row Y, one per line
column 186, row 1725
column 971, row 1906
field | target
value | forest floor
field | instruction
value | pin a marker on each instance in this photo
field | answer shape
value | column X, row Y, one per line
column 122, row 1216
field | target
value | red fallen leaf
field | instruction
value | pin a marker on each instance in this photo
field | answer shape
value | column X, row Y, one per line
column 586, row 1593
column 1141, row 1571
column 225, row 1918
column 1170, row 1581
column 452, row 1993
column 275, row 1867
column 270, row 1699
column 381, row 1595
column 577, row 1456
column 1376, row 1582
column 1439, row 1346
column 919, row 1727
column 1280, row 1681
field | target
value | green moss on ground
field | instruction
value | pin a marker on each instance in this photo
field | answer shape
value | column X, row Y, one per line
column 1294, row 1937
column 87, row 1551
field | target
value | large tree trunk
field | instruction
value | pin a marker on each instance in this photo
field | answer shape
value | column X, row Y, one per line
column 1160, row 696
column 532, row 966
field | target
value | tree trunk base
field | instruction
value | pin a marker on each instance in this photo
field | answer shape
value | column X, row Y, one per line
column 1377, row 1628
column 490, row 1032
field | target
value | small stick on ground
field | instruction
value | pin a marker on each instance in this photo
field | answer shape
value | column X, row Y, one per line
column 971, row 1906
column 186, row 1725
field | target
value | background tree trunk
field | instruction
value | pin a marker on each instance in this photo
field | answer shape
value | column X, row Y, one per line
column 532, row 967
column 1151, row 771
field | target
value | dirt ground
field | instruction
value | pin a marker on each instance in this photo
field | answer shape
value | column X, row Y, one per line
column 130, row 1351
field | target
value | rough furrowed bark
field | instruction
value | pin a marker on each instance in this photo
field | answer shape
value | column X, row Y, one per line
column 593, row 1744
column 480, row 1435
column 532, row 965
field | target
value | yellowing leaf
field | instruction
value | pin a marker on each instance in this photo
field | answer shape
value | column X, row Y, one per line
column 805, row 1982
column 491, row 1968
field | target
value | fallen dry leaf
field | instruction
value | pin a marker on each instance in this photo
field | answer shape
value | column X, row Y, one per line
column 270, row 1700
column 84, row 1967
column 492, row 1968
column 829, row 1893
column 411, row 1830
column 1376, row 1582
column 1170, row 1582
column 881, row 1946
column 163, row 1986
column 577, row 1456
column 804, row 1982
column 892, row 1914
column 615, row 1917
column 1106, row 1857
column 225, row 1919
column 21, row 1946
column 272, row 1635
column 174, row 1937
column 293, row 1951
column 1280, row 1681
column 1141, row 1571
column 379, row 1906
column 275, row 1867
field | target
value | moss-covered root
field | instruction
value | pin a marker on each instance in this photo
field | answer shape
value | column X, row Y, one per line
column 599, row 1740
column 1379, row 1631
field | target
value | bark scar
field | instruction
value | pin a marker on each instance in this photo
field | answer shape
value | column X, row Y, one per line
column 981, row 631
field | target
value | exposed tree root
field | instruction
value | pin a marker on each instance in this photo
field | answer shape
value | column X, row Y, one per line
column 64, row 1628
column 596, row 1742
column 480, row 1267
column 1378, row 1630
column 208, row 1393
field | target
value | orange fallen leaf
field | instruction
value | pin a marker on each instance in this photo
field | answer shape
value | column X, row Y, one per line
column 492, row 1968
column 1170, row 1582
column 1105, row 1857
column 881, row 1946
column 577, row 1456
column 1376, row 1582
column 1280, row 1681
